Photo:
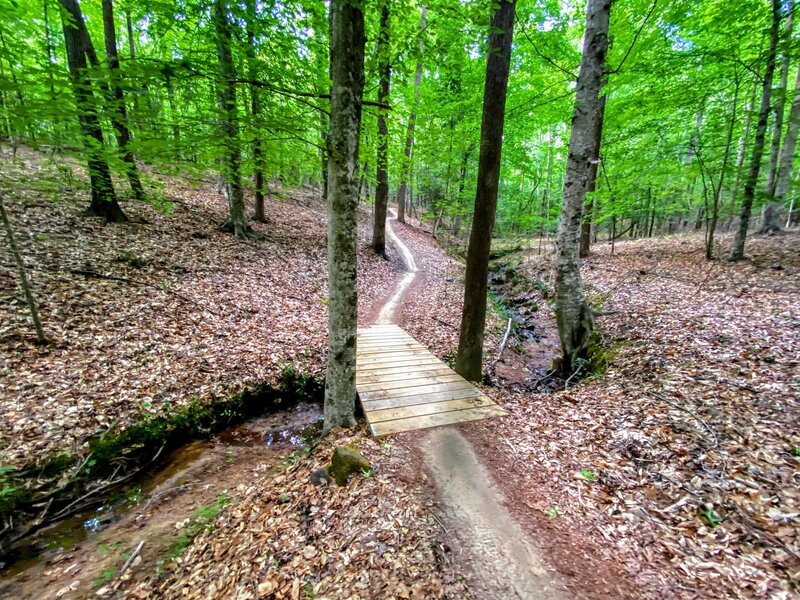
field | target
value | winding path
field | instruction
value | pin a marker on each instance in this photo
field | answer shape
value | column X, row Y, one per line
column 499, row 559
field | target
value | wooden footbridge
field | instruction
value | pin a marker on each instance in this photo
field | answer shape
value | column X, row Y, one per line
column 402, row 386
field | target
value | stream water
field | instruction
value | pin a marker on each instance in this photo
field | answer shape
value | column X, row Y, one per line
column 209, row 464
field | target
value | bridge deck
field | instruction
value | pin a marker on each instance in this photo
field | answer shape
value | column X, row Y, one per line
column 402, row 386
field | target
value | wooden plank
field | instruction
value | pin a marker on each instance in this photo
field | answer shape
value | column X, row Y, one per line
column 401, row 384
column 410, row 370
column 392, row 351
column 388, row 343
column 361, row 348
column 402, row 362
column 381, row 403
column 375, row 376
column 417, row 410
column 436, row 420
column 422, row 390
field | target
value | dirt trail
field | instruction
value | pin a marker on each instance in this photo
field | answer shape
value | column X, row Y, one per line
column 493, row 550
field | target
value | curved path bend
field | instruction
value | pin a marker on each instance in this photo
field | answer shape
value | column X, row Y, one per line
column 500, row 561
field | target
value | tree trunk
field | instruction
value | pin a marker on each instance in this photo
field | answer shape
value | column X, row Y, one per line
column 231, row 162
column 573, row 315
column 586, row 225
column 712, row 225
column 462, row 179
column 104, row 201
column 255, row 111
column 347, row 74
column 120, row 114
column 405, row 173
column 737, row 252
column 41, row 338
column 740, row 155
column 382, row 160
column 473, row 318
column 778, row 110
column 789, row 144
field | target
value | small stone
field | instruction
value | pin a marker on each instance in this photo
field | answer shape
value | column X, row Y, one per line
column 320, row 477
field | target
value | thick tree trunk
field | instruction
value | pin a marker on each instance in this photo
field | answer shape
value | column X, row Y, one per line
column 573, row 314
column 778, row 109
column 405, row 173
column 255, row 111
column 231, row 162
column 789, row 145
column 104, row 201
column 41, row 338
column 120, row 113
column 737, row 251
column 347, row 74
column 594, row 164
column 473, row 318
column 382, row 160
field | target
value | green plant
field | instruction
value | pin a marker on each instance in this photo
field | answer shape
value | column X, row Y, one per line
column 552, row 512
column 203, row 520
column 105, row 577
column 708, row 513
column 795, row 451
column 588, row 474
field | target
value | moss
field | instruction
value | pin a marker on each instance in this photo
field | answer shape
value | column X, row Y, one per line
column 138, row 443
column 598, row 355
column 346, row 462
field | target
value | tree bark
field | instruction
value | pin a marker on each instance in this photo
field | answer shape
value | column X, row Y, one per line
column 573, row 315
column 778, row 110
column 740, row 155
column 104, row 201
column 255, row 111
column 712, row 225
column 405, row 173
column 473, row 317
column 120, row 118
column 229, row 124
column 41, row 338
column 737, row 251
column 789, row 145
column 347, row 74
column 382, row 159
column 586, row 225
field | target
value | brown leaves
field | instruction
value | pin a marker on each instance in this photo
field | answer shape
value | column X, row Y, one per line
column 690, row 431
column 184, row 315
column 285, row 538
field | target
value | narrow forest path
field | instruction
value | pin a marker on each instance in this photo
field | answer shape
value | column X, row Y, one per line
column 500, row 561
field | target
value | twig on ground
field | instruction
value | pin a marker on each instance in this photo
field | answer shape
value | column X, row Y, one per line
column 503, row 344
column 130, row 560
column 443, row 322
column 566, row 383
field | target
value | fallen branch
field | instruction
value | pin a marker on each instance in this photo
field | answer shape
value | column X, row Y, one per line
column 503, row 344
column 130, row 560
column 41, row 338
column 443, row 322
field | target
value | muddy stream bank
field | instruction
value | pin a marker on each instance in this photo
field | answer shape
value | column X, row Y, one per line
column 158, row 511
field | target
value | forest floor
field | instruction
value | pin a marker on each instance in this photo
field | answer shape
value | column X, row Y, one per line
column 672, row 474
